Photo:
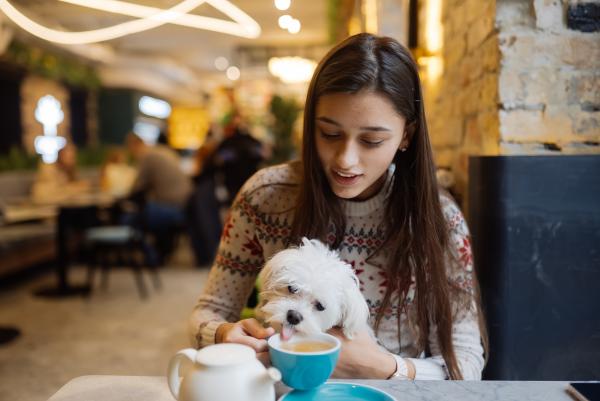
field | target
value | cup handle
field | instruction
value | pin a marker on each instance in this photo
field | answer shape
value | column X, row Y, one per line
column 173, row 372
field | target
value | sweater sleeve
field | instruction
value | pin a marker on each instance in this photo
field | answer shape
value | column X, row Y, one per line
column 466, row 335
column 232, row 276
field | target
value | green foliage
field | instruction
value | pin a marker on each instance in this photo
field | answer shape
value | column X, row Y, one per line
column 285, row 112
column 91, row 156
column 52, row 66
column 18, row 159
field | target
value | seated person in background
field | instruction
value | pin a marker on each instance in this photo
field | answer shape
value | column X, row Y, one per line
column 116, row 175
column 163, row 188
column 58, row 182
column 236, row 158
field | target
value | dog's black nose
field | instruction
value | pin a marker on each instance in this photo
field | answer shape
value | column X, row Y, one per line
column 293, row 317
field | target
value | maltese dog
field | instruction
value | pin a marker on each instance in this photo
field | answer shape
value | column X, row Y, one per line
column 309, row 289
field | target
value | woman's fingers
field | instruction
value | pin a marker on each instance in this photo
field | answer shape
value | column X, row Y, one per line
column 256, row 334
column 248, row 332
column 254, row 343
column 255, row 329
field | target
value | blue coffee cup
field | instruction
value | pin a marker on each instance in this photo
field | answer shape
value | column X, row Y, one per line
column 304, row 370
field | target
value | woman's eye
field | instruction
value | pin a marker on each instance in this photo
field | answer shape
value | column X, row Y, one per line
column 319, row 307
column 292, row 289
column 372, row 143
column 330, row 135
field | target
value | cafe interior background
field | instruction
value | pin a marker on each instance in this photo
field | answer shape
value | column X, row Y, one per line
column 512, row 92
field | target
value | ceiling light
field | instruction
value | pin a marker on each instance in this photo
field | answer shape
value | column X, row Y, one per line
column 292, row 69
column 242, row 25
column 282, row 4
column 233, row 73
column 284, row 21
column 221, row 63
column 148, row 18
column 153, row 107
column 294, row 26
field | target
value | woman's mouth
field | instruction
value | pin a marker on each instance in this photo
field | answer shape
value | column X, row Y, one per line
column 345, row 178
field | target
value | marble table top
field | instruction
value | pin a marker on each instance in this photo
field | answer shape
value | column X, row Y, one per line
column 155, row 388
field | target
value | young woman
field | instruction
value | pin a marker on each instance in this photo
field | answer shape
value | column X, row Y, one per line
column 366, row 186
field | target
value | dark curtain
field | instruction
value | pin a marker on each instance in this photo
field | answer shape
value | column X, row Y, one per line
column 10, row 109
column 78, row 103
column 116, row 113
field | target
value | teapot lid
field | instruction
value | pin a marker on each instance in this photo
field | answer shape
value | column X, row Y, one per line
column 225, row 354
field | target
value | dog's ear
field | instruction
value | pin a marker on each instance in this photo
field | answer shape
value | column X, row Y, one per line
column 355, row 312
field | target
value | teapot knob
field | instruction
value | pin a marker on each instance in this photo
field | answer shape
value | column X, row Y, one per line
column 173, row 371
column 273, row 375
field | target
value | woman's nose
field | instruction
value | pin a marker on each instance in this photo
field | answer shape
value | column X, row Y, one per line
column 347, row 155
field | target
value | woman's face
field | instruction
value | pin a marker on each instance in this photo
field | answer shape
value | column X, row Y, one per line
column 357, row 136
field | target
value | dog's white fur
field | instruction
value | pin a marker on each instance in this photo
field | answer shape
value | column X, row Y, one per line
column 319, row 276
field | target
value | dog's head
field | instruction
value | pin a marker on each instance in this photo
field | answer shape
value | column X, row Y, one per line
column 310, row 289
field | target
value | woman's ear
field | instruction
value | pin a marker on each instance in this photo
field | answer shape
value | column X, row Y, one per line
column 409, row 131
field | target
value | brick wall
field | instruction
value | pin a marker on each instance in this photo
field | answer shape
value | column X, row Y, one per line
column 462, row 106
column 516, row 80
column 549, row 84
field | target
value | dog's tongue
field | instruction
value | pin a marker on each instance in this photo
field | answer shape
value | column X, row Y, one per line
column 287, row 332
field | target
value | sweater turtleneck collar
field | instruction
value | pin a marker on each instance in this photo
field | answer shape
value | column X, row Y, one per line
column 366, row 207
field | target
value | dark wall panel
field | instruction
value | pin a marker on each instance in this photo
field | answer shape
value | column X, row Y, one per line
column 10, row 110
column 535, row 222
column 78, row 104
column 117, row 111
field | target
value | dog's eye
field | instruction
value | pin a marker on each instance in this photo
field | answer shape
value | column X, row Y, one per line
column 292, row 289
column 319, row 307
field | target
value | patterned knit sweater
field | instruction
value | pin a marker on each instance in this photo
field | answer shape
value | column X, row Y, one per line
column 259, row 225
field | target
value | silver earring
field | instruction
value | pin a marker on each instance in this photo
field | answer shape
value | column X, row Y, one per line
column 403, row 150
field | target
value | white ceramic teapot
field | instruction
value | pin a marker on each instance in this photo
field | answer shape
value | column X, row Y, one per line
column 222, row 372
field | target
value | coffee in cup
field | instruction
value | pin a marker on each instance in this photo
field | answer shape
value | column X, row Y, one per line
column 305, row 361
column 306, row 346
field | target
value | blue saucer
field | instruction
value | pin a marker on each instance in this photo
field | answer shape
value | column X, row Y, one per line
column 339, row 392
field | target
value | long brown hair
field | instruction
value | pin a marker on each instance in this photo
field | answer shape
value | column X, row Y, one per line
column 416, row 231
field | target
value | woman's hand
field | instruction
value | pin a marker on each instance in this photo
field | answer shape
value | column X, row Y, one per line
column 362, row 358
column 248, row 332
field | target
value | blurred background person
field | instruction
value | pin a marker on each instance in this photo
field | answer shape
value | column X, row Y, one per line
column 57, row 182
column 236, row 158
column 222, row 168
column 203, row 207
column 161, row 190
column 116, row 175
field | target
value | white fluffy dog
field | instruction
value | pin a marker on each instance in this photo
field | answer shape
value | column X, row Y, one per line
column 309, row 289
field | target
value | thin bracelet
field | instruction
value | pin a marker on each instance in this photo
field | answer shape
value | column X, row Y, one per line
column 396, row 371
column 410, row 366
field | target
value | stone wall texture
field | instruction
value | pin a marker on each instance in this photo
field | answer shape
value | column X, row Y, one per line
column 462, row 107
column 549, row 84
column 516, row 81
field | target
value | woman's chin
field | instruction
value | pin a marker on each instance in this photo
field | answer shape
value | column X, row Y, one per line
column 345, row 192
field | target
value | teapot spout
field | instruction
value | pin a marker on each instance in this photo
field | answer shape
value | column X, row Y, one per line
column 271, row 376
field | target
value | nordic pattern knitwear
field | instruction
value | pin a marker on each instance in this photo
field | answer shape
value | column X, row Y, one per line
column 258, row 226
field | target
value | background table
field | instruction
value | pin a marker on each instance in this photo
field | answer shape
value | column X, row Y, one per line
column 75, row 215
column 150, row 388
